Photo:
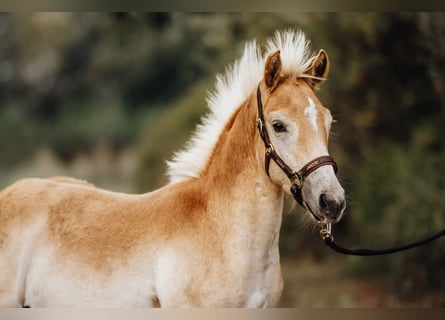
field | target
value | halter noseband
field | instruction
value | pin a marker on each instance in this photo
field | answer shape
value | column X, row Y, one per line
column 296, row 177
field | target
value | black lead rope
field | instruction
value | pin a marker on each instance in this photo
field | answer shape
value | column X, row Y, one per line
column 297, row 178
column 329, row 241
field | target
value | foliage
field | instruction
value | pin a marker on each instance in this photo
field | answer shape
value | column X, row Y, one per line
column 74, row 82
column 388, row 95
column 169, row 133
column 399, row 199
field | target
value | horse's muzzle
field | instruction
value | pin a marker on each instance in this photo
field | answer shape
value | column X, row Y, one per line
column 331, row 208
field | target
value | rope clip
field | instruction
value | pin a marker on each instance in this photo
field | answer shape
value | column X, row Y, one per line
column 326, row 231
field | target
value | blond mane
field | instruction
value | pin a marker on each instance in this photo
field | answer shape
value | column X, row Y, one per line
column 232, row 89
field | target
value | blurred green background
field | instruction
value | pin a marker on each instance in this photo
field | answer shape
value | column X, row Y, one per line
column 108, row 97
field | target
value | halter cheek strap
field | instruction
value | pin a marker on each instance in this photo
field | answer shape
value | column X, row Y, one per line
column 296, row 177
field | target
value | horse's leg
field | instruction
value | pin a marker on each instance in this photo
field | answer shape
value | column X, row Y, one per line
column 11, row 292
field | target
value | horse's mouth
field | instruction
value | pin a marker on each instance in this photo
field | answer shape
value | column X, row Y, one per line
column 322, row 219
column 317, row 218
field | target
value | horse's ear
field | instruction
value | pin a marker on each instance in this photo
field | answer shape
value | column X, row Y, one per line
column 272, row 70
column 319, row 68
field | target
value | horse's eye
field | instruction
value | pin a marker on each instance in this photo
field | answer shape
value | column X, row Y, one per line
column 279, row 127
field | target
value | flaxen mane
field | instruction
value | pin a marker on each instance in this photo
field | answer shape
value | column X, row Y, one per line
column 232, row 89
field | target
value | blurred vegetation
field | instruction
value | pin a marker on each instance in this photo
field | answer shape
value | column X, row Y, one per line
column 72, row 85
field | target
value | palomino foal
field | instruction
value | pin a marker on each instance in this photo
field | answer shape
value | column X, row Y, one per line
column 210, row 237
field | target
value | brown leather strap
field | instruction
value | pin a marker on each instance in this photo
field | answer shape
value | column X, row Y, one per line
column 270, row 150
column 296, row 177
column 315, row 164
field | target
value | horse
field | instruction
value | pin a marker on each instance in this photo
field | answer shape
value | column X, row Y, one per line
column 209, row 237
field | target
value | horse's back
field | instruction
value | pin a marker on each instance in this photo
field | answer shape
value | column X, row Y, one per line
column 28, row 198
column 63, row 205
column 71, row 180
column 30, row 202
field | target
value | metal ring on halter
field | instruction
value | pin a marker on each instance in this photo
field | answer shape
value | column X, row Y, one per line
column 270, row 149
column 260, row 126
column 297, row 180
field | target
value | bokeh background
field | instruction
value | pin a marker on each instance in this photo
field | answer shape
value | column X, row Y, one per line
column 108, row 97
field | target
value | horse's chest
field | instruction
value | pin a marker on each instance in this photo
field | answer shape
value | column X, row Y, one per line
column 257, row 273
column 237, row 282
column 265, row 287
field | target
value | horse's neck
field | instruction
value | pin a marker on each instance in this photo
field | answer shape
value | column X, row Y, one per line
column 236, row 180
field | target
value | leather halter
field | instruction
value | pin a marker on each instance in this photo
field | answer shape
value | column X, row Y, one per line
column 296, row 177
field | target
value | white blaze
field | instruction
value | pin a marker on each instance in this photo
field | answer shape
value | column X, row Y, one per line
column 311, row 113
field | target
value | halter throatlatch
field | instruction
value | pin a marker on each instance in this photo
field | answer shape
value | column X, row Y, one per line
column 296, row 177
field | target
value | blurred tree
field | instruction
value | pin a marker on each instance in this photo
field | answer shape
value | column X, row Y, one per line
column 386, row 89
column 74, row 82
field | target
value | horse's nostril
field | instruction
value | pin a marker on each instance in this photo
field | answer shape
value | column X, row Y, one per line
column 330, row 207
column 323, row 202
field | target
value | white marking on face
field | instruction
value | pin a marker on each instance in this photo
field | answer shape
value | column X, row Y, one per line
column 311, row 113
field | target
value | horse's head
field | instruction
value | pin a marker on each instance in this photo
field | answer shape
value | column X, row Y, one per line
column 294, row 127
